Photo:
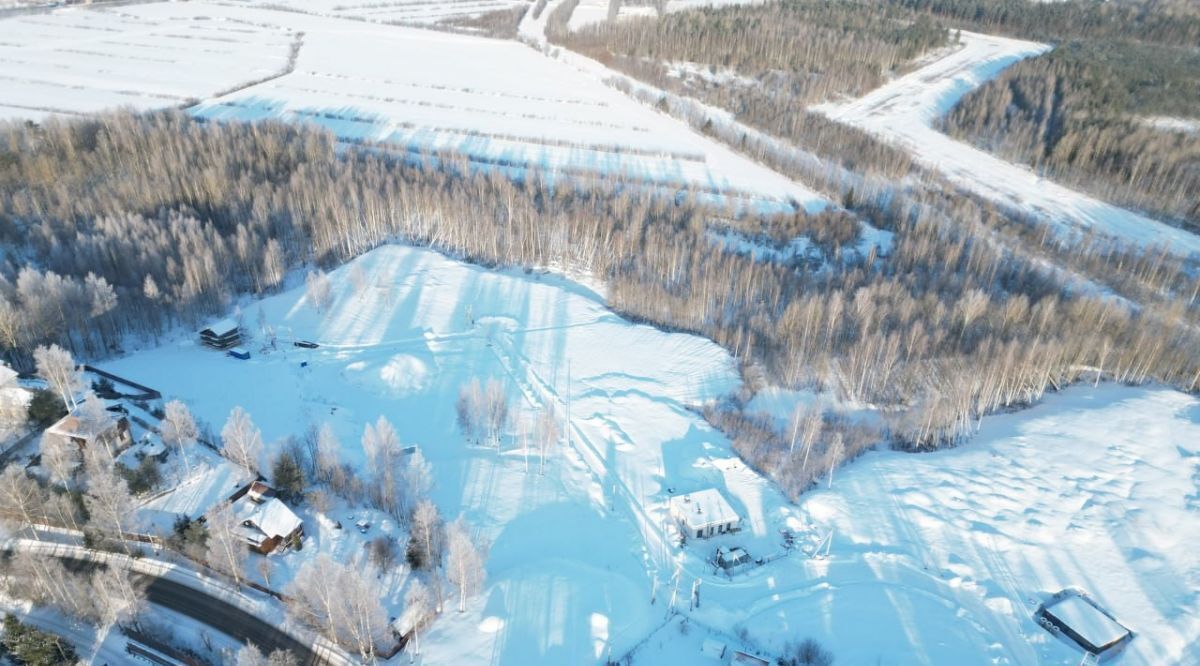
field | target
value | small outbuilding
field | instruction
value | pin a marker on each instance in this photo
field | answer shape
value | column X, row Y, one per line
column 1074, row 615
column 240, row 353
column 704, row 513
column 222, row 334
column 732, row 558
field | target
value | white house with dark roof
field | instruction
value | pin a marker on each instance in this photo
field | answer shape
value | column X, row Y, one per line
column 704, row 513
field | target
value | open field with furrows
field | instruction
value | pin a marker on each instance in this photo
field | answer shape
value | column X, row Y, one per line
column 82, row 61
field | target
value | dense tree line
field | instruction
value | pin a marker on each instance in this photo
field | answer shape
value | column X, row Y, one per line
column 969, row 311
column 1078, row 114
column 1175, row 22
column 808, row 50
column 802, row 52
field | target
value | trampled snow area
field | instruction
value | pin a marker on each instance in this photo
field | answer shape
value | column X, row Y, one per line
column 904, row 110
column 935, row 559
column 1094, row 488
column 74, row 61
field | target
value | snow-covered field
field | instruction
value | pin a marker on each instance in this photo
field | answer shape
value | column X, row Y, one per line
column 75, row 61
column 1095, row 488
column 935, row 559
column 408, row 12
column 498, row 102
column 904, row 110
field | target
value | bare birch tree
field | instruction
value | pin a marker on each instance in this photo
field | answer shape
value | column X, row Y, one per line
column 226, row 551
column 426, row 536
column 118, row 600
column 340, row 602
column 60, row 458
column 107, row 499
column 178, row 429
column 319, row 291
column 242, row 441
column 21, row 499
column 95, row 419
column 57, row 367
column 464, row 562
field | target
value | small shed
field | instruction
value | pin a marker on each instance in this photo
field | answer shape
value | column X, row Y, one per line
column 1077, row 617
column 152, row 448
column 240, row 352
column 222, row 334
column 704, row 513
column 732, row 558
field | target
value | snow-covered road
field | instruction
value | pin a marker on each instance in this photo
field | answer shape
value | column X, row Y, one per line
column 904, row 111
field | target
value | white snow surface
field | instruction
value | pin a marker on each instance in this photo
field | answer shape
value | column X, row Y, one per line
column 935, row 559
column 1172, row 124
column 499, row 102
column 903, row 111
column 1086, row 620
column 75, row 61
column 406, row 12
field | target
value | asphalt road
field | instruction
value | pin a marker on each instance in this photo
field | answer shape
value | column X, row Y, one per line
column 216, row 613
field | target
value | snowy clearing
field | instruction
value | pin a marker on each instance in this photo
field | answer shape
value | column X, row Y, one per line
column 904, row 110
column 942, row 557
column 401, row 347
column 74, row 61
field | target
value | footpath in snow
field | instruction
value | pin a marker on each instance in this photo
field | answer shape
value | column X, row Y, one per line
column 904, row 110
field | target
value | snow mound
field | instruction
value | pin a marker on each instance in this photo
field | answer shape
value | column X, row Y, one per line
column 404, row 374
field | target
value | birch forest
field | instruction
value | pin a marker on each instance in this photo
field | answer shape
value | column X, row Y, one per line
column 127, row 225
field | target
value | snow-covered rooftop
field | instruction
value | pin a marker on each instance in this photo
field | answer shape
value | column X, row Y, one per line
column 1088, row 621
column 271, row 517
column 704, row 508
column 220, row 328
column 72, row 426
